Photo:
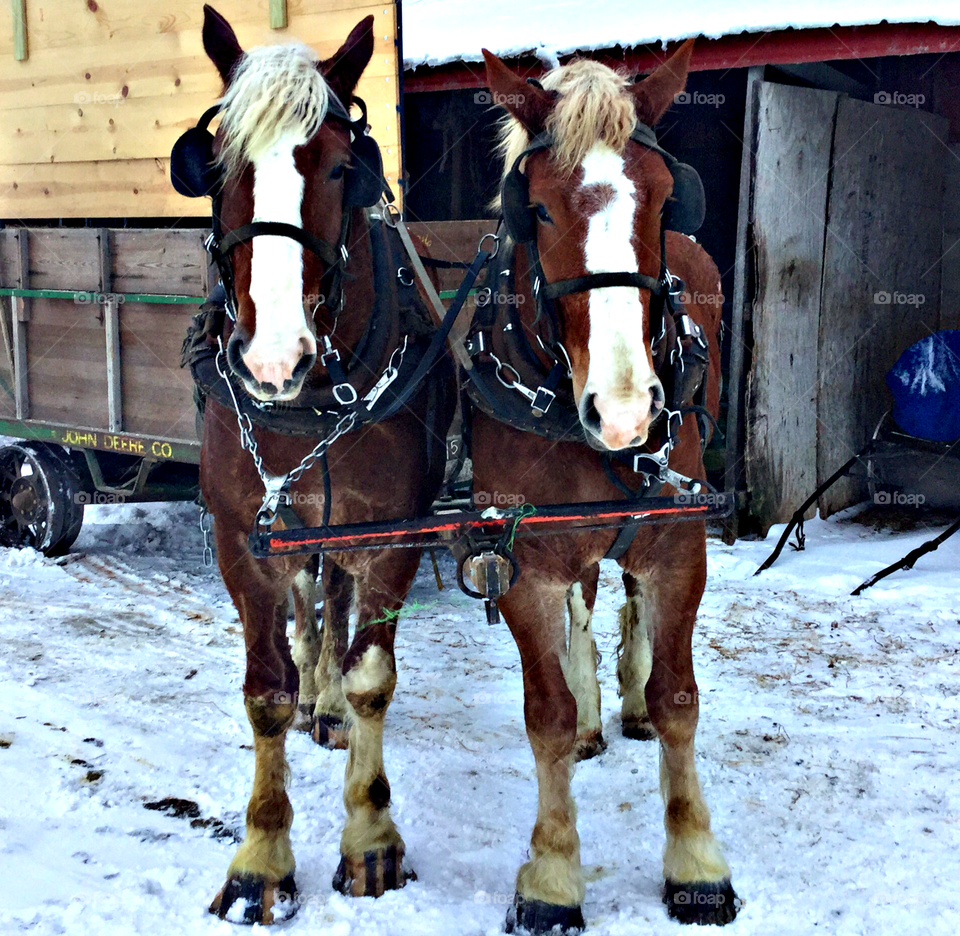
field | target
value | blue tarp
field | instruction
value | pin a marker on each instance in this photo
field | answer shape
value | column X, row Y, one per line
column 925, row 383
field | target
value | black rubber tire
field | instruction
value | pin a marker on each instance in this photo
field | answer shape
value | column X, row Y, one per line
column 40, row 502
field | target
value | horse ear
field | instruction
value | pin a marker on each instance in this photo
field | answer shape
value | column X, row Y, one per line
column 657, row 91
column 220, row 42
column 529, row 103
column 344, row 68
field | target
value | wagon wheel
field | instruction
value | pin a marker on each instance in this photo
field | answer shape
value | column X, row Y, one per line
column 38, row 500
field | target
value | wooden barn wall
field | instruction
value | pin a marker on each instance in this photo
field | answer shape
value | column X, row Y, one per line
column 88, row 119
column 847, row 230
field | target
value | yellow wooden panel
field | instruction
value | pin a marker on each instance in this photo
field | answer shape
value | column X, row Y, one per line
column 111, row 89
column 127, row 189
column 134, row 128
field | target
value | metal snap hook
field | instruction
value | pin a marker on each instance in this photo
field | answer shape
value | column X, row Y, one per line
column 405, row 276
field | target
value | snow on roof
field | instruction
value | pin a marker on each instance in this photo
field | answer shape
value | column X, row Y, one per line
column 438, row 31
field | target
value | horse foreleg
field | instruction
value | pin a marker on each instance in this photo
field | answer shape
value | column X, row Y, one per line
column 697, row 885
column 331, row 707
column 371, row 849
column 633, row 663
column 580, row 667
column 550, row 887
column 260, row 885
column 306, row 642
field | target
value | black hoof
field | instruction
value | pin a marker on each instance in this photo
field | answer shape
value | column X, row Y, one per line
column 589, row 745
column 638, row 729
column 701, row 902
column 535, row 917
column 329, row 732
column 379, row 871
column 248, row 899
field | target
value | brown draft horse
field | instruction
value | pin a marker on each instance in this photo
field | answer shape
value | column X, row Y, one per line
column 284, row 161
column 598, row 198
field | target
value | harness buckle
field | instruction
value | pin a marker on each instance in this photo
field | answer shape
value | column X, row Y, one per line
column 208, row 243
column 542, row 401
column 476, row 344
column 345, row 394
column 405, row 276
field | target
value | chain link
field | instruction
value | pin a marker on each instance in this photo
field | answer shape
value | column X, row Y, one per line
column 276, row 487
column 205, row 527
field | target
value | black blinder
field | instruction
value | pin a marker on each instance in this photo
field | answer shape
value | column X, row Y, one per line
column 364, row 183
column 520, row 219
column 193, row 170
column 686, row 208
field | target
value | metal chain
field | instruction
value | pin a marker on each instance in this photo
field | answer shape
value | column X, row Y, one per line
column 277, row 486
column 205, row 527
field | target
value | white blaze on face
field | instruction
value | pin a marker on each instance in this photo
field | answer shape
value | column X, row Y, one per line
column 276, row 277
column 619, row 373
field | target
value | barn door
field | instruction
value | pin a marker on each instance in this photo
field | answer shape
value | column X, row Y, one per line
column 846, row 221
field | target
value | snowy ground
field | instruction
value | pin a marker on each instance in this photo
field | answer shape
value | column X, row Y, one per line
column 827, row 747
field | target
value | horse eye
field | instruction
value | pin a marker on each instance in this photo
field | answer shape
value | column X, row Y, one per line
column 544, row 215
column 337, row 172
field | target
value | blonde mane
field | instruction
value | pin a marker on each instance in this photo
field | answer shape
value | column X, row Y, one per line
column 276, row 90
column 593, row 105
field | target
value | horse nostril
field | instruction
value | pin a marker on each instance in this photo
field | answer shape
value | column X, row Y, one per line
column 656, row 398
column 590, row 416
column 267, row 387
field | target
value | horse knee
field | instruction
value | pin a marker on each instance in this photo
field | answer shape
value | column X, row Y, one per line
column 369, row 676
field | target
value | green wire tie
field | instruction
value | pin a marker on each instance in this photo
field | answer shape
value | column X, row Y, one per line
column 527, row 510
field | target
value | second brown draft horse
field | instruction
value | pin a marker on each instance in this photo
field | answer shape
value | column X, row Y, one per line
column 586, row 189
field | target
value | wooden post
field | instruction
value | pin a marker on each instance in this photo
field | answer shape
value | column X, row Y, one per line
column 20, row 51
column 733, row 471
column 278, row 14
column 111, row 322
column 19, row 319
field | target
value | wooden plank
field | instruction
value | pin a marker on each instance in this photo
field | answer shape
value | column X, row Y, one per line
column 20, row 315
column 795, row 128
column 81, row 35
column 134, row 128
column 64, row 258
column 134, row 189
column 157, row 392
column 67, row 361
column 733, row 470
column 159, row 261
column 886, row 224
column 20, row 51
column 111, row 323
